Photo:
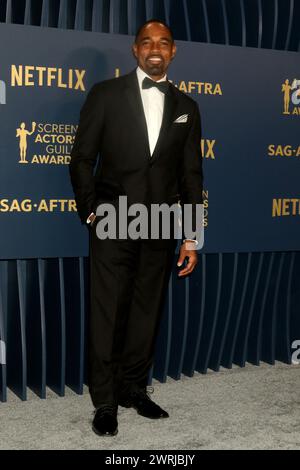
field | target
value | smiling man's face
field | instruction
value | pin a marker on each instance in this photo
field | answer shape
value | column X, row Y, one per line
column 154, row 49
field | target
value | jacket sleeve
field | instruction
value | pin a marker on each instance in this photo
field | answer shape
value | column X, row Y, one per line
column 85, row 152
column 191, row 176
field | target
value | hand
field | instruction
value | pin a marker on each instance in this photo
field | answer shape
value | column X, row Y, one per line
column 93, row 219
column 187, row 251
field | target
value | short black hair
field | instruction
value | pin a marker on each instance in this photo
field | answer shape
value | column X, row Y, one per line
column 153, row 20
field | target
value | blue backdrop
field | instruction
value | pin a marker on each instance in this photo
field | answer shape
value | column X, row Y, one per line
column 250, row 146
column 237, row 307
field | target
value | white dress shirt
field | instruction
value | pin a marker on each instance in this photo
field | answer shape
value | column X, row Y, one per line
column 153, row 103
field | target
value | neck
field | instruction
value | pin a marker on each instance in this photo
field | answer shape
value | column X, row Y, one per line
column 155, row 78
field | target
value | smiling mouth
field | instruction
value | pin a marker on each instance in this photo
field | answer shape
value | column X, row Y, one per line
column 155, row 60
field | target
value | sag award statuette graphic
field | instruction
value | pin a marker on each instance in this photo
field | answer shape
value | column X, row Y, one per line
column 291, row 93
column 22, row 133
column 286, row 88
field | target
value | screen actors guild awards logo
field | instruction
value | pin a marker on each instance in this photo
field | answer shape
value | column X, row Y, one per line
column 291, row 94
column 22, row 133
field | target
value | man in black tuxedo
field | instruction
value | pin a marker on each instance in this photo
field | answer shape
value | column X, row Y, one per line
column 148, row 136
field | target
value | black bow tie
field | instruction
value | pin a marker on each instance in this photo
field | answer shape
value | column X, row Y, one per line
column 162, row 86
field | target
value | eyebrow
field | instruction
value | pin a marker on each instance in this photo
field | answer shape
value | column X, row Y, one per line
column 161, row 39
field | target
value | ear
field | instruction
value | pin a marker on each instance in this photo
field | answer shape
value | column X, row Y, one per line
column 134, row 50
column 174, row 50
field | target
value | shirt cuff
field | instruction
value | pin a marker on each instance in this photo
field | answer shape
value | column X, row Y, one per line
column 90, row 217
column 191, row 240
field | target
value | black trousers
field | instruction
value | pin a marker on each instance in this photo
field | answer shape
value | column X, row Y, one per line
column 129, row 280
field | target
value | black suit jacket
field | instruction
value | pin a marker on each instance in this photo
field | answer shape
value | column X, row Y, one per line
column 112, row 124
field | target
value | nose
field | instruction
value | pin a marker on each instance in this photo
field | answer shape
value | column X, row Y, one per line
column 155, row 47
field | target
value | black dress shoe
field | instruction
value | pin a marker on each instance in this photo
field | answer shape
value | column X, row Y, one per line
column 141, row 401
column 105, row 420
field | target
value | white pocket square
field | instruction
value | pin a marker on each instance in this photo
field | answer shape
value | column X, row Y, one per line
column 182, row 118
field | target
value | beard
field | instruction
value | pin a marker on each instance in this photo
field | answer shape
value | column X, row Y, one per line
column 155, row 69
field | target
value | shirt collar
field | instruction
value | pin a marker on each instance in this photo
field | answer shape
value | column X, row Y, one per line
column 141, row 75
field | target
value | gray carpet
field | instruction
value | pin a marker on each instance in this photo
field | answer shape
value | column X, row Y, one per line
column 249, row 408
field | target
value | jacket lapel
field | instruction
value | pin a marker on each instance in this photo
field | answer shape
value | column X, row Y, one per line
column 133, row 96
column 168, row 115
